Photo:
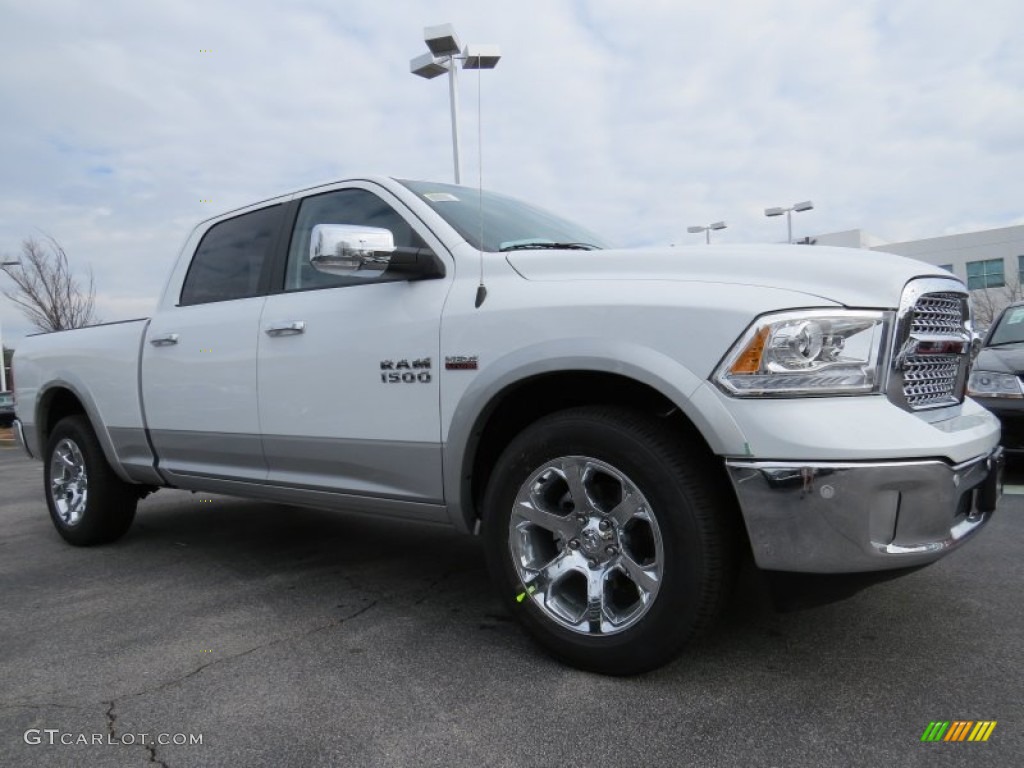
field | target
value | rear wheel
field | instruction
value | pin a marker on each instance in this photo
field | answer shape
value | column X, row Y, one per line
column 88, row 503
column 607, row 536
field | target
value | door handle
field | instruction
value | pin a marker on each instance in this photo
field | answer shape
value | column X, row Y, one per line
column 164, row 341
column 285, row 329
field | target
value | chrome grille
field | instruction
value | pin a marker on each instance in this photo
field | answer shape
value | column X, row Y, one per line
column 938, row 314
column 930, row 380
column 932, row 345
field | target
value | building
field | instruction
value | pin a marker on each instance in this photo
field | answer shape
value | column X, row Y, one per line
column 990, row 262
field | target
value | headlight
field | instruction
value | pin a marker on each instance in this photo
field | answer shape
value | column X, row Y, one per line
column 809, row 352
column 986, row 384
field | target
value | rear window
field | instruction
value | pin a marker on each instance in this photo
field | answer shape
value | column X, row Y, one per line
column 6, row 399
column 229, row 260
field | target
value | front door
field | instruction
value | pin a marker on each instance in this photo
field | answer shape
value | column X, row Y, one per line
column 348, row 367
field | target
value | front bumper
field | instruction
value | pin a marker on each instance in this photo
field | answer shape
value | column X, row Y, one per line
column 846, row 517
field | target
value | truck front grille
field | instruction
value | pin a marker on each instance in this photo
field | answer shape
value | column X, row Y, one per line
column 939, row 313
column 932, row 349
column 930, row 380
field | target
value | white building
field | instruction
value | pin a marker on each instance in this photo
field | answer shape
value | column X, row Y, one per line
column 991, row 261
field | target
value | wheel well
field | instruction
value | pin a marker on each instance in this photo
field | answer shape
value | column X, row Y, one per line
column 56, row 404
column 523, row 403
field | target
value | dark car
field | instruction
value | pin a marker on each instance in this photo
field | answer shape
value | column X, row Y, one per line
column 995, row 380
column 6, row 409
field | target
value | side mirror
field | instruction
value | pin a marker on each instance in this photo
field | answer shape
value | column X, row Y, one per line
column 350, row 250
column 344, row 249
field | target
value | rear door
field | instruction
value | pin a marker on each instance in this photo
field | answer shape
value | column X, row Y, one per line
column 348, row 366
column 199, row 357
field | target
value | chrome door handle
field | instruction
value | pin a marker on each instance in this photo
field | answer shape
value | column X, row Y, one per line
column 164, row 341
column 285, row 329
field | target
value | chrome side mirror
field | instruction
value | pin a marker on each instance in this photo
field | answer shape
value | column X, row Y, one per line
column 345, row 249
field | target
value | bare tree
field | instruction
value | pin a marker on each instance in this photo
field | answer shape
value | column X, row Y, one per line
column 987, row 303
column 983, row 307
column 47, row 291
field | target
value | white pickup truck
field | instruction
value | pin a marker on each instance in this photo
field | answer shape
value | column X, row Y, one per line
column 622, row 426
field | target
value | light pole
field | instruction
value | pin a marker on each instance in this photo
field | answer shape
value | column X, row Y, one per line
column 445, row 50
column 706, row 230
column 798, row 207
column 3, row 360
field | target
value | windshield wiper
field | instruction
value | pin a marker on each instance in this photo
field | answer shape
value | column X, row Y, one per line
column 550, row 246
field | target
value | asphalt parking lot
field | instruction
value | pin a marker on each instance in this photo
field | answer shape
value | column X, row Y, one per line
column 291, row 637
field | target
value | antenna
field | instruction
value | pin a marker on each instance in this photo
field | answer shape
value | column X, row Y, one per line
column 445, row 50
column 481, row 290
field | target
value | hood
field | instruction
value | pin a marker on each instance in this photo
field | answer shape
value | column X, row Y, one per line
column 1008, row 359
column 849, row 276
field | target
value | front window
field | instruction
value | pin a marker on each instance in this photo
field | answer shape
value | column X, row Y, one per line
column 342, row 206
column 493, row 222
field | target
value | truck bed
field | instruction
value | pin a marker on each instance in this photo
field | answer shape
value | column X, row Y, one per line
column 98, row 365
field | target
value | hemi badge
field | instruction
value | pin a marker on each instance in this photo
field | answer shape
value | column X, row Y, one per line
column 460, row 363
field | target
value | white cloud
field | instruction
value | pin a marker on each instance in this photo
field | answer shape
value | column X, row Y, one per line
column 901, row 117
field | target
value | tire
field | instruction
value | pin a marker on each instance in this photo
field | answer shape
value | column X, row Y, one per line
column 646, row 567
column 88, row 503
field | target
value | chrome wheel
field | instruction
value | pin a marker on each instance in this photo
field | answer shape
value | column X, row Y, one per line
column 586, row 546
column 69, row 482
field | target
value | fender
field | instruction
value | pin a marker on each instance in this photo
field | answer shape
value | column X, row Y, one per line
column 640, row 363
column 69, row 380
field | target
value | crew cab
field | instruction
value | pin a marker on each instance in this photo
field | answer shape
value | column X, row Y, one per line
column 622, row 426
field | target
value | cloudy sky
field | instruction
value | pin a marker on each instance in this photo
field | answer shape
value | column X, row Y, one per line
column 119, row 119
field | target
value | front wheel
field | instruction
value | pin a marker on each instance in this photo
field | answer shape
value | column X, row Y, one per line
column 88, row 503
column 608, row 537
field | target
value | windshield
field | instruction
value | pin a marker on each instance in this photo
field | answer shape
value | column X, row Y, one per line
column 508, row 224
column 1010, row 329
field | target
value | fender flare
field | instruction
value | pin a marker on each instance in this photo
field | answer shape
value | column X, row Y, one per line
column 68, row 381
column 694, row 396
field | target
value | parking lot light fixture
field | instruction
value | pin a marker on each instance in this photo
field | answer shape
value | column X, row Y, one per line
column 707, row 230
column 481, row 57
column 445, row 49
column 442, row 40
column 806, row 205
column 427, row 67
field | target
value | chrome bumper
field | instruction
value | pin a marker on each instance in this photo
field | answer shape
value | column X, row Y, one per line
column 19, row 433
column 849, row 517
